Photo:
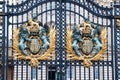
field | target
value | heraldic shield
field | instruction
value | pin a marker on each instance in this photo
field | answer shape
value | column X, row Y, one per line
column 87, row 46
column 86, row 42
column 34, row 41
column 34, row 46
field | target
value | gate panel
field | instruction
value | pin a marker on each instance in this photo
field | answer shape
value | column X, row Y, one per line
column 45, row 12
column 61, row 14
column 76, row 11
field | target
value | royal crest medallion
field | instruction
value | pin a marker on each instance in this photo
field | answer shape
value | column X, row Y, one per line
column 86, row 42
column 34, row 42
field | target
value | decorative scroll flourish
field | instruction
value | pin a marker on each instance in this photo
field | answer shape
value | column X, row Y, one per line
column 88, row 44
column 34, row 43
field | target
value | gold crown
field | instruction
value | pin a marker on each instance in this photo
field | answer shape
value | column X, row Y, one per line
column 87, row 28
column 34, row 29
column 34, row 26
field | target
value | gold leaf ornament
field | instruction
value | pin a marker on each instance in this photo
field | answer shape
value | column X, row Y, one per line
column 118, row 23
column 71, row 55
column 34, row 59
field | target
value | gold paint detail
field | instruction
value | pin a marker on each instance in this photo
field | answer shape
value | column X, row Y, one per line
column 118, row 23
column 87, row 60
column 34, row 59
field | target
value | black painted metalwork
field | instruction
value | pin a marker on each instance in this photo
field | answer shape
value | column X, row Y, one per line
column 116, row 39
column 62, row 14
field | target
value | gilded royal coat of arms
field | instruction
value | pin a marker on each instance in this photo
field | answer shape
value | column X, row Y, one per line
column 86, row 42
column 34, row 41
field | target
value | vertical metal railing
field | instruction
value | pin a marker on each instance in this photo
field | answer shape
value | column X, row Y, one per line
column 117, row 40
column 2, row 34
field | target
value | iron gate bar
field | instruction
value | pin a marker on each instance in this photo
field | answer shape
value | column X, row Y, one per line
column 27, row 10
column 106, row 15
column 66, row 10
column 60, row 41
column 3, row 44
column 112, row 49
column 116, row 36
column 67, row 63
column 7, row 45
column 116, row 57
column 95, row 12
column 33, row 17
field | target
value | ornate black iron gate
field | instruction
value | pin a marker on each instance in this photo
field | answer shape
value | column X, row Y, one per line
column 62, row 14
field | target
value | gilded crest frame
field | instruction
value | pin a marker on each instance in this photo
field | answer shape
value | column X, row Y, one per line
column 87, row 60
column 34, row 59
